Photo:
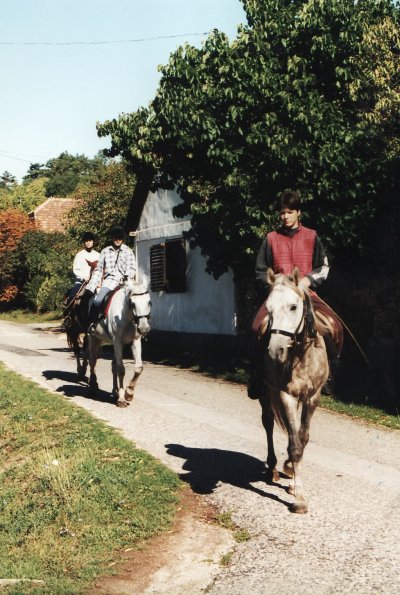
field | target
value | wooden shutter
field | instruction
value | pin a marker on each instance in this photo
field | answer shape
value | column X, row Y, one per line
column 158, row 278
column 175, row 256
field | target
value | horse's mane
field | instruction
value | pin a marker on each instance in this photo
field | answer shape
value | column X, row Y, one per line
column 137, row 287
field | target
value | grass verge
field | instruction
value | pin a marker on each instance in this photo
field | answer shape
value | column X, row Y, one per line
column 368, row 414
column 27, row 317
column 73, row 492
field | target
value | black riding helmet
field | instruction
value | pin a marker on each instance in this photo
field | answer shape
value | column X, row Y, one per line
column 87, row 236
column 118, row 232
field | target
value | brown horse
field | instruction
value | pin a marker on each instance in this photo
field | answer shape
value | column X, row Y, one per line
column 75, row 325
column 295, row 368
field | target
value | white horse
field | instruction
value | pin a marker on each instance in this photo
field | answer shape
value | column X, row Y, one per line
column 126, row 322
column 295, row 367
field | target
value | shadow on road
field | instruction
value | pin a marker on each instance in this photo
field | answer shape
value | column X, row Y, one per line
column 207, row 467
column 74, row 389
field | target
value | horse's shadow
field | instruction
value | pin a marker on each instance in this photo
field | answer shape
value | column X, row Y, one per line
column 208, row 467
column 75, row 389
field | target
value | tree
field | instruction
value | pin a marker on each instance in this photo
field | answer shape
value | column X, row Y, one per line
column 35, row 171
column 286, row 104
column 42, row 268
column 13, row 226
column 26, row 196
column 102, row 205
column 7, row 180
column 66, row 172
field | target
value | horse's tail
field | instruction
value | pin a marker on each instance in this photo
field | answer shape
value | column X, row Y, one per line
column 72, row 336
column 73, row 332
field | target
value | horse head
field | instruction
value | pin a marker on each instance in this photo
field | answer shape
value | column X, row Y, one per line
column 140, row 306
column 286, row 309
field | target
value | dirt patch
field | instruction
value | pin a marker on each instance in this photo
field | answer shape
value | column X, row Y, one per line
column 183, row 560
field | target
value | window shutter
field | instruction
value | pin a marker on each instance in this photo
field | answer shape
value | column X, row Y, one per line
column 168, row 266
column 158, row 278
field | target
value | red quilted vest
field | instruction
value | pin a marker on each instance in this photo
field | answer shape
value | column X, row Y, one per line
column 288, row 252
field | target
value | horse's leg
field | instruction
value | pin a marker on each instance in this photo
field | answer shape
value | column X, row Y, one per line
column 138, row 369
column 84, row 357
column 295, row 452
column 267, row 417
column 306, row 415
column 94, row 346
column 118, row 370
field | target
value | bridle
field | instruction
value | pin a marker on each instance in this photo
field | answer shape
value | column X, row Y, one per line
column 137, row 317
column 305, row 329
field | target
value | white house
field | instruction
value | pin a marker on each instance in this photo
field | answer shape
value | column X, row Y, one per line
column 185, row 298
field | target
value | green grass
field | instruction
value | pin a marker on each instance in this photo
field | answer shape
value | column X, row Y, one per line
column 27, row 317
column 73, row 492
column 368, row 414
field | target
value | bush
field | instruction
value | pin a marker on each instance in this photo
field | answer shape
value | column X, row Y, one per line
column 42, row 268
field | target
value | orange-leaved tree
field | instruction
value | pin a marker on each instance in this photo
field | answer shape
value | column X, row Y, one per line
column 14, row 224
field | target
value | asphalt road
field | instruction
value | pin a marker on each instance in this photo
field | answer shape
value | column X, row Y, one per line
column 211, row 434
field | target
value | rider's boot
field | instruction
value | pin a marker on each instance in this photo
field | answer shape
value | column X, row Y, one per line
column 333, row 357
column 255, row 384
column 94, row 316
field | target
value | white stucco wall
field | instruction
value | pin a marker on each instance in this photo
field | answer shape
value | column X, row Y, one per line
column 208, row 305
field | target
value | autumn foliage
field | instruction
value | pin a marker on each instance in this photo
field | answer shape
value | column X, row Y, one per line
column 14, row 224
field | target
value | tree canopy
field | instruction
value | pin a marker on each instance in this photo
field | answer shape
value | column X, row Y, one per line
column 66, row 172
column 102, row 205
column 14, row 224
column 305, row 97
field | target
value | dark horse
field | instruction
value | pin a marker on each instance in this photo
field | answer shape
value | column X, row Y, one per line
column 295, row 368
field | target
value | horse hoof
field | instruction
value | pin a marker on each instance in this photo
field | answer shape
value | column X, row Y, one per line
column 122, row 404
column 298, row 508
column 128, row 397
column 288, row 469
column 272, row 475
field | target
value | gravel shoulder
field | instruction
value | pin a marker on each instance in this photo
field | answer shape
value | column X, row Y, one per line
column 211, row 434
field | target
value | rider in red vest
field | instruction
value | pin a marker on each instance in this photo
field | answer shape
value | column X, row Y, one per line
column 293, row 245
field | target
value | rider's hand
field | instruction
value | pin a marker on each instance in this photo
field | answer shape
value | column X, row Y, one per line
column 304, row 283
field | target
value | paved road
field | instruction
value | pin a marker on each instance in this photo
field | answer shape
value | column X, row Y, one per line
column 209, row 432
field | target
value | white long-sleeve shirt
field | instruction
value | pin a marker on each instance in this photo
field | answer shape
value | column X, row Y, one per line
column 81, row 267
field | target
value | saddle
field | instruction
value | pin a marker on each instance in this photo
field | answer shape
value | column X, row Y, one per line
column 106, row 303
column 327, row 316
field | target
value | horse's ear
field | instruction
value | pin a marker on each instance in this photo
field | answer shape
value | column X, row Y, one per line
column 270, row 277
column 296, row 275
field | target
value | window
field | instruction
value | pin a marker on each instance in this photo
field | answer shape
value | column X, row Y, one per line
column 168, row 266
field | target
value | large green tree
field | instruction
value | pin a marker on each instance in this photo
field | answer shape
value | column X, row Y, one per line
column 291, row 102
column 66, row 172
column 102, row 205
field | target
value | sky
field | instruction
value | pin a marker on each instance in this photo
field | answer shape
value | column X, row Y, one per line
column 57, row 81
